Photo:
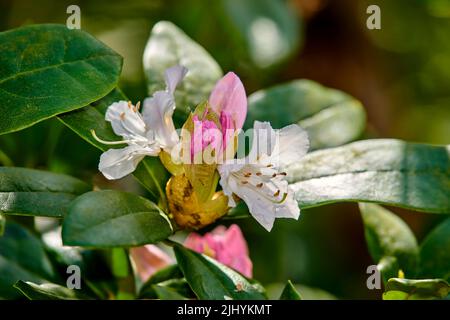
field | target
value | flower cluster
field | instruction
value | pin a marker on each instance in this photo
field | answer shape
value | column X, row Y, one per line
column 212, row 129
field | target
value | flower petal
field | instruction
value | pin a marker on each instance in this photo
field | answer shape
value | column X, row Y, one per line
column 173, row 77
column 148, row 260
column 229, row 97
column 264, row 141
column 157, row 113
column 292, row 144
column 125, row 120
column 117, row 163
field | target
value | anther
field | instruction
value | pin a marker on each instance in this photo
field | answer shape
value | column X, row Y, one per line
column 138, row 105
column 276, row 194
column 258, row 174
column 283, row 174
column 274, row 175
column 244, row 182
column 247, row 174
column 269, row 165
column 259, row 185
column 122, row 116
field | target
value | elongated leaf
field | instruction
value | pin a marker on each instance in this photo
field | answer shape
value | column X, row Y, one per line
column 2, row 224
column 114, row 219
column 47, row 291
column 34, row 192
column 163, row 275
column 290, row 293
column 210, row 279
column 169, row 46
column 22, row 257
column 167, row 293
column 408, row 289
column 169, row 289
column 150, row 172
column 48, row 69
column 331, row 117
column 415, row 176
column 389, row 236
column 269, row 28
column 435, row 252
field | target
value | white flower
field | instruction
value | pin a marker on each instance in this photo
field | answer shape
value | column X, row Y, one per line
column 258, row 180
column 146, row 133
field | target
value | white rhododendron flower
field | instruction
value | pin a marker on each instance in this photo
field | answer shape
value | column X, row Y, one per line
column 146, row 133
column 258, row 178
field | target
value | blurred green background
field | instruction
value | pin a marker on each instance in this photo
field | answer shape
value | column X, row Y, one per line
column 401, row 74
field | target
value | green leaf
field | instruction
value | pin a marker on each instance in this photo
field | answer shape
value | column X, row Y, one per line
column 407, row 289
column 269, row 28
column 290, row 293
column 34, row 192
column 167, row 293
column 388, row 236
column 22, row 257
column 150, row 172
column 46, row 70
column 387, row 171
column 169, row 273
column 114, row 219
column 435, row 252
column 169, row 46
column 210, row 279
column 47, row 291
column 330, row 117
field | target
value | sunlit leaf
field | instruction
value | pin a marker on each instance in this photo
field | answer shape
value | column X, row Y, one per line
column 408, row 289
column 290, row 293
column 48, row 69
column 47, row 291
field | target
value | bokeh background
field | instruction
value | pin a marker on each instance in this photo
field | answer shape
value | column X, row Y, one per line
column 401, row 74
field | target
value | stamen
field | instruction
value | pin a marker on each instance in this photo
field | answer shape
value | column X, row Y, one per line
column 247, row 174
column 244, row 182
column 130, row 105
column 269, row 166
column 274, row 175
column 122, row 116
column 138, row 106
column 259, row 185
column 283, row 174
column 258, row 174
column 276, row 194
column 108, row 142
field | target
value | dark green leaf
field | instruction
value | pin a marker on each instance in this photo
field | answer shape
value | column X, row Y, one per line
column 169, row 46
column 22, row 257
column 47, row 291
column 387, row 171
column 435, row 252
column 290, row 293
column 48, row 69
column 35, row 192
column 210, row 279
column 407, row 289
column 389, row 236
column 114, row 219
column 168, row 273
column 167, row 293
column 150, row 172
column 269, row 28
column 330, row 117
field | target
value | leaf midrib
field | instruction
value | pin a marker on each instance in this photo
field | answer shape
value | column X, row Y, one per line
column 20, row 74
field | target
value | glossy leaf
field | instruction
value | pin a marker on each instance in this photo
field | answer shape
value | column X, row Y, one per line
column 2, row 224
column 269, row 28
column 47, row 291
column 290, row 293
column 150, row 172
column 167, row 293
column 172, row 289
column 169, row 46
column 388, row 236
column 408, row 289
column 330, row 117
column 210, row 279
column 387, row 171
column 34, row 192
column 168, row 273
column 49, row 69
column 435, row 252
column 22, row 257
column 114, row 219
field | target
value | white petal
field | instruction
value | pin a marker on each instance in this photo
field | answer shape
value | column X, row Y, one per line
column 117, row 163
column 173, row 77
column 289, row 208
column 264, row 141
column 292, row 144
column 157, row 112
column 261, row 209
column 125, row 122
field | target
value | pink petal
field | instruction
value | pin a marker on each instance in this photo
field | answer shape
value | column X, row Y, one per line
column 227, row 246
column 148, row 260
column 229, row 97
